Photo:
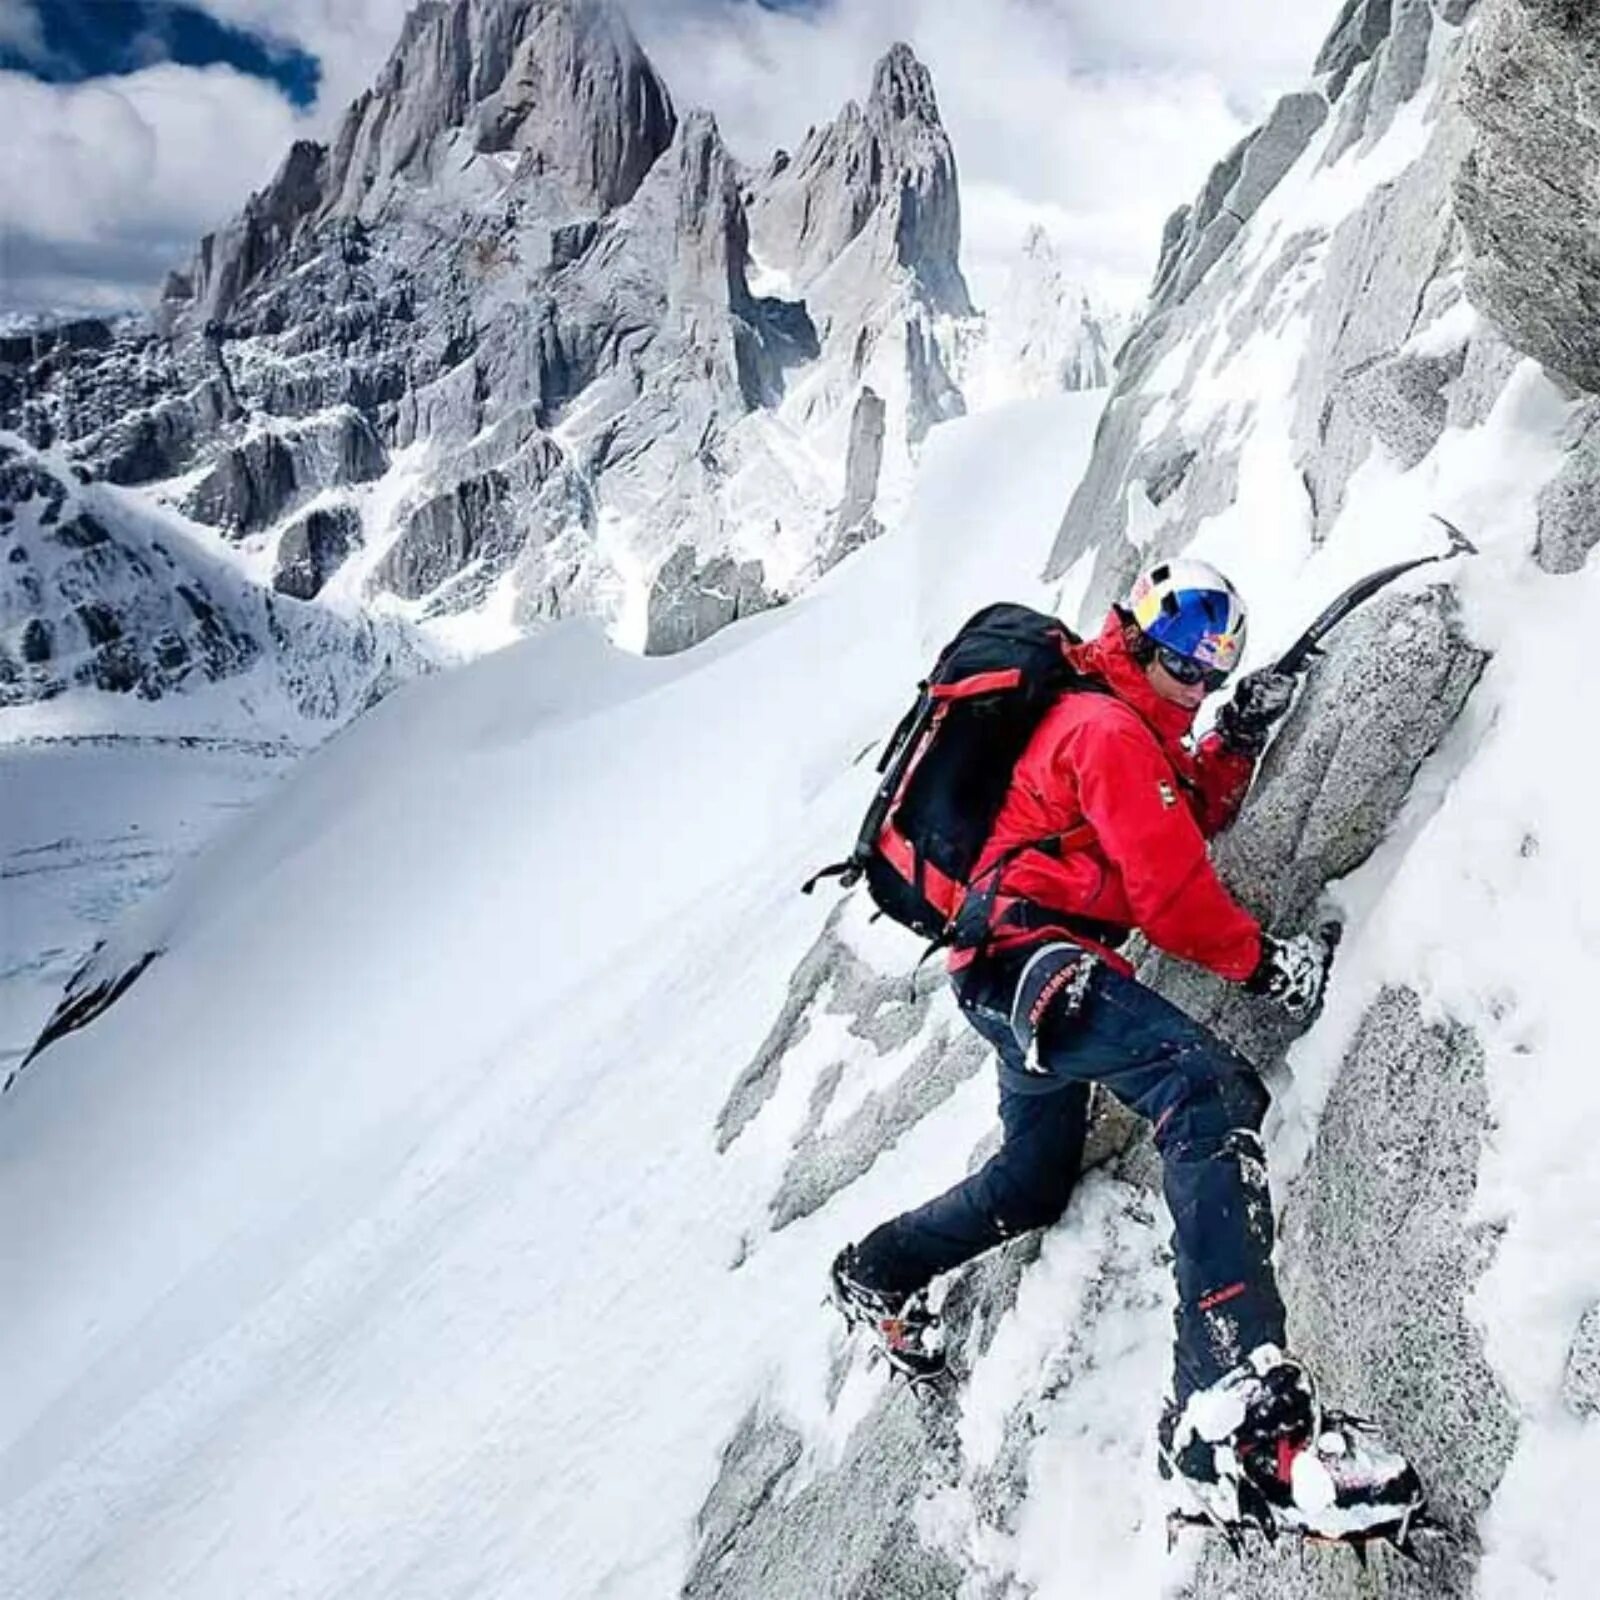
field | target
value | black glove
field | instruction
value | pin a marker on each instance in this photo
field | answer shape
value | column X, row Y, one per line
column 1293, row 972
column 1261, row 698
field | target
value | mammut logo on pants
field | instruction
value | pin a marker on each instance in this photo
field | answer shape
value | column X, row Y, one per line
column 1067, row 978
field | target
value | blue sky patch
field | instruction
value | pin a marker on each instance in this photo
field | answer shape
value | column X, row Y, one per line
column 84, row 39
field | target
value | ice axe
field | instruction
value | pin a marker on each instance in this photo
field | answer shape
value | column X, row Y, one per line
column 1301, row 652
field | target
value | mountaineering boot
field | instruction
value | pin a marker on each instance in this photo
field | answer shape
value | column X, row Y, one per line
column 902, row 1327
column 1256, row 1450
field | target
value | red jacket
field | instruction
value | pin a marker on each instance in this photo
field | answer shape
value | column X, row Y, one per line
column 1115, row 769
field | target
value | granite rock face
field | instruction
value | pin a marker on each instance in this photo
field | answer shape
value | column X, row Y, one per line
column 863, row 222
column 1398, row 1155
column 1197, row 238
column 852, row 1531
column 1580, row 1386
column 1569, row 505
column 253, row 484
column 1363, row 25
column 881, row 176
column 559, row 92
column 690, row 602
column 911, row 1020
column 1336, row 776
column 1526, row 194
column 1380, row 1256
column 312, row 549
column 854, row 523
column 908, row 1500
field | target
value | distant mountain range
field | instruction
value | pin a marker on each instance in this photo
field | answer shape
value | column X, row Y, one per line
column 521, row 342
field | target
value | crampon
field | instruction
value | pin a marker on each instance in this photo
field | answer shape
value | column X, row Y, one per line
column 904, row 1332
column 1256, row 1452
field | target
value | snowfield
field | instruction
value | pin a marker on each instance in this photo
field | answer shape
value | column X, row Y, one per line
column 377, row 1243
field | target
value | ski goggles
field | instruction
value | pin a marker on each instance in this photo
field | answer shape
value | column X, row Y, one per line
column 1189, row 671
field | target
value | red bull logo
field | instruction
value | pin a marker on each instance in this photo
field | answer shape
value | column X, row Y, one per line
column 1218, row 650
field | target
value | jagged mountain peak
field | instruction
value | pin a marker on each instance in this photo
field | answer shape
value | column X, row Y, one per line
column 492, row 356
column 902, row 86
column 556, row 97
column 1037, row 245
column 883, row 173
column 1045, row 334
column 710, row 210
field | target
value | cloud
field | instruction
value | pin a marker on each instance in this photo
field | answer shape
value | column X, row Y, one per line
column 350, row 38
column 105, row 184
column 1092, row 117
column 21, row 29
column 1253, row 48
column 74, row 41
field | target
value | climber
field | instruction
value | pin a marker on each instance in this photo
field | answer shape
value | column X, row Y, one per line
column 1111, row 775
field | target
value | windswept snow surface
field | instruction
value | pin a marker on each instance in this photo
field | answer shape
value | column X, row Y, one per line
column 376, row 1243
column 103, row 797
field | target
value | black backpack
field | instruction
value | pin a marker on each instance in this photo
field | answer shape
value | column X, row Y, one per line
column 948, row 765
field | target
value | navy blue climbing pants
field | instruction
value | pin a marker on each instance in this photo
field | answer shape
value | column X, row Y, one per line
column 1060, row 1021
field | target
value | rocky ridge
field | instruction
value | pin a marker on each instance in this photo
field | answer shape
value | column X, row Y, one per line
column 97, row 593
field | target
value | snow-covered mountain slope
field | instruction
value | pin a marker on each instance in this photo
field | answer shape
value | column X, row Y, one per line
column 92, row 823
column 382, row 1220
column 148, row 688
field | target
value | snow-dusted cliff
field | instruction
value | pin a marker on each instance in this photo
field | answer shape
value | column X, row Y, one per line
column 1045, row 333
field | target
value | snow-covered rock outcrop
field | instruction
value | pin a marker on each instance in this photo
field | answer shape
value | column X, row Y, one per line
column 98, row 592
column 492, row 356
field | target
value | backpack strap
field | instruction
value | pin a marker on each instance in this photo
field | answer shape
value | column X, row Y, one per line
column 845, row 871
column 970, row 928
column 898, row 744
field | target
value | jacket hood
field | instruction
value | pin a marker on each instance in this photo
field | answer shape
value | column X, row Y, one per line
column 1107, row 658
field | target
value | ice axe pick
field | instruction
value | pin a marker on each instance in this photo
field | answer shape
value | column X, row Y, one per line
column 1300, row 653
